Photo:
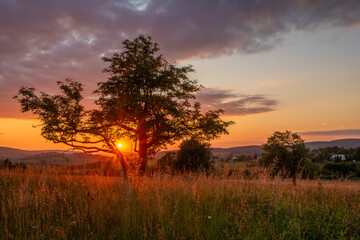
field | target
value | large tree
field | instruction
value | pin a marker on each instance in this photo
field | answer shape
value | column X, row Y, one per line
column 145, row 99
column 285, row 152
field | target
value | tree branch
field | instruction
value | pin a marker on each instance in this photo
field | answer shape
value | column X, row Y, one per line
column 87, row 149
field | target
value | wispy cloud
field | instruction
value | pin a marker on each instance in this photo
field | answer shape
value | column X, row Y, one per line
column 45, row 41
column 234, row 104
column 341, row 132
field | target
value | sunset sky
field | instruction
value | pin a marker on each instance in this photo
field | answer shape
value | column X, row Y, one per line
column 271, row 65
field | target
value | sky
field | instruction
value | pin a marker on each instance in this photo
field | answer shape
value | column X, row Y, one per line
column 271, row 65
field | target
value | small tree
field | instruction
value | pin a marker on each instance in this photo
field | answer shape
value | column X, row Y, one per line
column 145, row 99
column 285, row 152
column 193, row 156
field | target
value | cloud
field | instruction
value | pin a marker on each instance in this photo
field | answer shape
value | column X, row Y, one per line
column 234, row 104
column 341, row 132
column 43, row 41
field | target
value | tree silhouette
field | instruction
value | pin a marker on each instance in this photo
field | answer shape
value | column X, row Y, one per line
column 285, row 152
column 193, row 156
column 145, row 99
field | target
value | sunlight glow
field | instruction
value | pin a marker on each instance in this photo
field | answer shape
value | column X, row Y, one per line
column 119, row 145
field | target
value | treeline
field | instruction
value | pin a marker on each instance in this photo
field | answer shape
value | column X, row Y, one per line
column 333, row 163
column 340, row 170
column 7, row 164
column 322, row 155
column 348, row 170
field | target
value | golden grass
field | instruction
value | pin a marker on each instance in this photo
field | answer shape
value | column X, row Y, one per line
column 43, row 204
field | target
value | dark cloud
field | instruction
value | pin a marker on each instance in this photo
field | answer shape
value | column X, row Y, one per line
column 46, row 40
column 341, row 132
column 234, row 104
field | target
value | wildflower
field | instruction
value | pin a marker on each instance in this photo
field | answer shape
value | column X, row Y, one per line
column 209, row 217
column 92, row 197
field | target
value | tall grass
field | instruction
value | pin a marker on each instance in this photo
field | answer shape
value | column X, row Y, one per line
column 47, row 205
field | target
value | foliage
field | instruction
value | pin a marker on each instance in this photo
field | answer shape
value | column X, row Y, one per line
column 193, row 155
column 151, row 97
column 310, row 170
column 145, row 99
column 337, row 170
column 356, row 154
column 285, row 152
column 321, row 155
column 46, row 205
column 8, row 164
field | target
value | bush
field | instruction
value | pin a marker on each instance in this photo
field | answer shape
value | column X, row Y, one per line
column 193, row 156
column 7, row 164
column 310, row 170
column 337, row 170
column 356, row 155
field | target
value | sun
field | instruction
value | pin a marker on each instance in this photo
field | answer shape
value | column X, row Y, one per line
column 119, row 145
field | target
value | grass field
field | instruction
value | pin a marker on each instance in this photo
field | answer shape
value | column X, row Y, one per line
column 47, row 205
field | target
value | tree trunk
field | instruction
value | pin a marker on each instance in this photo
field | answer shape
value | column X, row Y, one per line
column 123, row 162
column 143, row 151
column 294, row 179
column 143, row 163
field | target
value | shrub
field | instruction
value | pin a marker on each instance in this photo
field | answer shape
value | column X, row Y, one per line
column 310, row 170
column 337, row 170
column 7, row 164
column 193, row 156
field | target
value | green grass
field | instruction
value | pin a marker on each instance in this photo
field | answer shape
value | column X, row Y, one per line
column 47, row 205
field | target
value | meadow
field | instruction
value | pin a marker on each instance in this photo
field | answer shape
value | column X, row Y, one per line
column 45, row 203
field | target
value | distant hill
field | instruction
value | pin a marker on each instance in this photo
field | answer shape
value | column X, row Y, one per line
column 59, row 157
column 15, row 154
column 50, row 157
column 345, row 143
column 245, row 150
column 257, row 149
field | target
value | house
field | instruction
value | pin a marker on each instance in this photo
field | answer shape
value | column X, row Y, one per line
column 338, row 157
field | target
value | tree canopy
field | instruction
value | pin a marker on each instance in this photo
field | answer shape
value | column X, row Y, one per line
column 193, row 156
column 145, row 99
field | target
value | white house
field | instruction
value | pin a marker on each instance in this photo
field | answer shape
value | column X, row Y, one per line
column 340, row 157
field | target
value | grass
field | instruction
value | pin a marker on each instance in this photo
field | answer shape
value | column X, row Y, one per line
column 240, row 165
column 43, row 204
